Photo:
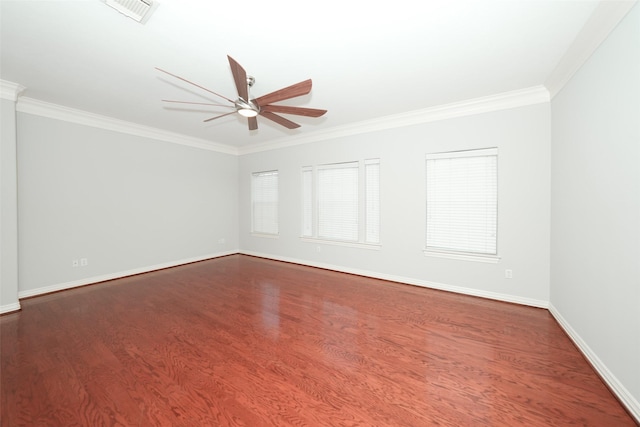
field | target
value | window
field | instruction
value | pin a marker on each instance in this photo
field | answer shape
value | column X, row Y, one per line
column 462, row 202
column 338, row 202
column 264, row 202
column 341, row 202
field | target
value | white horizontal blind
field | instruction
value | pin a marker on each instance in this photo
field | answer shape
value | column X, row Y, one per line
column 264, row 202
column 372, row 200
column 307, row 201
column 462, row 201
column 338, row 201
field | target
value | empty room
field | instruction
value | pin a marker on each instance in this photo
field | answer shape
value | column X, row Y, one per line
column 334, row 214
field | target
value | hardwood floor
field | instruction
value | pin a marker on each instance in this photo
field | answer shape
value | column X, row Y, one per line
column 243, row 341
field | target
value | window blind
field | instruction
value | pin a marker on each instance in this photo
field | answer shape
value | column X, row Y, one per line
column 264, row 202
column 462, row 201
column 338, row 201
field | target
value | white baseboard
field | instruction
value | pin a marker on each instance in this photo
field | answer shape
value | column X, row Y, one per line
column 8, row 308
column 409, row 280
column 118, row 275
column 631, row 403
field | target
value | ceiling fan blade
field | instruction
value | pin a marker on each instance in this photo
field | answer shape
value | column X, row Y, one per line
column 240, row 77
column 292, row 91
column 299, row 111
column 198, row 103
column 217, row 117
column 253, row 123
column 279, row 120
column 195, row 84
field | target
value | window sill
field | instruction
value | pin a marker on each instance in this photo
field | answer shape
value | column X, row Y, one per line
column 266, row 236
column 491, row 259
column 370, row 246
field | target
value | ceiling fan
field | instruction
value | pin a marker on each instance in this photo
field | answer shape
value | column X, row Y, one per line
column 263, row 105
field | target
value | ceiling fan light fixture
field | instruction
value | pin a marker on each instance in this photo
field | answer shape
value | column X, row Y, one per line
column 247, row 112
column 246, row 109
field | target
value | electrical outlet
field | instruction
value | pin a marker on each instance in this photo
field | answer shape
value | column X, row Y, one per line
column 508, row 274
column 75, row 263
column 221, row 241
column 84, row 262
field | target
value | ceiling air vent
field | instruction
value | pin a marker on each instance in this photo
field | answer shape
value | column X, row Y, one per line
column 138, row 10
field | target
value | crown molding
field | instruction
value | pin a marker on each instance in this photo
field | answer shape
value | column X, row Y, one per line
column 58, row 112
column 10, row 91
column 603, row 20
column 485, row 104
column 501, row 101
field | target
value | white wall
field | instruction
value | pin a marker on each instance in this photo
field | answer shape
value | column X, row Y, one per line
column 595, row 205
column 8, row 209
column 522, row 136
column 124, row 202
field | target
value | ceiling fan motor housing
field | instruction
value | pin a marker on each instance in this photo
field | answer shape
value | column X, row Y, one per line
column 247, row 108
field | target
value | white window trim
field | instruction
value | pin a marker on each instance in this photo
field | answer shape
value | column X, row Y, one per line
column 361, row 245
column 265, row 235
column 491, row 259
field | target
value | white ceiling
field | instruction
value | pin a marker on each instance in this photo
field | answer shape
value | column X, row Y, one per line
column 368, row 59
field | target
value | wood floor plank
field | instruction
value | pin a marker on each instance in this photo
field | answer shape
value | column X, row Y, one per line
column 244, row 341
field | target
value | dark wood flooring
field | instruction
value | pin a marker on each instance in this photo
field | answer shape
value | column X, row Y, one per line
column 243, row 341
